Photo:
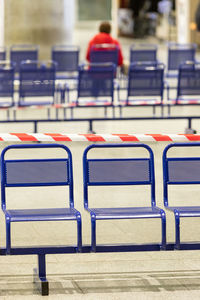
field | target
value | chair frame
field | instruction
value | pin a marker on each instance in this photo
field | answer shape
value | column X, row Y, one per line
column 75, row 216
column 143, row 48
column 193, row 65
column 82, row 70
column 12, row 71
column 170, row 71
column 3, row 51
column 166, row 183
column 23, row 48
column 31, row 69
column 146, row 65
column 103, row 48
column 65, row 49
column 151, row 182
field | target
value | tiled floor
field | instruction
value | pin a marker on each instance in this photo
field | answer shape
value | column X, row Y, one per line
column 162, row 275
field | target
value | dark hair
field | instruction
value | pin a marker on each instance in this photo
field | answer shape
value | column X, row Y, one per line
column 105, row 27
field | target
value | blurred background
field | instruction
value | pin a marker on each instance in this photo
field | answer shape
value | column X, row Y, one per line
column 50, row 22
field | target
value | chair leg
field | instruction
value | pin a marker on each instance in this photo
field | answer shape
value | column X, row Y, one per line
column 79, row 233
column 163, row 220
column 8, row 236
column 177, row 224
column 93, row 233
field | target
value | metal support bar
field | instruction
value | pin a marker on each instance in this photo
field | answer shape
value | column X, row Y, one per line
column 57, row 113
column 154, row 111
column 40, row 276
column 35, row 127
column 105, row 112
column 189, row 130
column 14, row 114
column 8, row 114
column 189, row 123
column 64, row 113
column 90, row 130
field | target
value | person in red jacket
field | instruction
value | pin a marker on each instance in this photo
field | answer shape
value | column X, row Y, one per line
column 104, row 37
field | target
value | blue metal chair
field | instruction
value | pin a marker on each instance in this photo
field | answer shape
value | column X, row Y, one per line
column 145, row 79
column 2, row 53
column 19, row 53
column 143, row 52
column 96, row 81
column 37, row 173
column 37, row 79
column 7, row 71
column 188, row 82
column 104, row 53
column 120, row 172
column 180, row 171
column 67, row 59
column 178, row 54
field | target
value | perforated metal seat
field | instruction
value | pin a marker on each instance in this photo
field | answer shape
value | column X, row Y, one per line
column 188, row 82
column 145, row 82
column 179, row 54
column 186, row 211
column 37, row 79
column 7, row 70
column 50, row 214
column 38, row 173
column 125, row 212
column 67, row 59
column 180, row 171
column 104, row 53
column 19, row 53
column 2, row 53
column 143, row 53
column 96, row 81
column 121, row 172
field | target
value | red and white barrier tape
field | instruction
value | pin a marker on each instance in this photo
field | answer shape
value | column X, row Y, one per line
column 58, row 137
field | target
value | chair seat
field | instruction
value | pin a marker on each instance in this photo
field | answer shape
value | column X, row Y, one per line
column 172, row 74
column 50, row 214
column 35, row 103
column 186, row 211
column 126, row 212
column 66, row 75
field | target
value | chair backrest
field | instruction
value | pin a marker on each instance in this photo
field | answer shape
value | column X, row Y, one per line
column 103, row 53
column 118, row 171
column 66, row 57
column 96, row 80
column 180, row 53
column 36, row 172
column 188, row 79
column 2, row 53
column 143, row 52
column 146, row 79
column 7, row 70
column 180, row 170
column 37, row 79
column 19, row 53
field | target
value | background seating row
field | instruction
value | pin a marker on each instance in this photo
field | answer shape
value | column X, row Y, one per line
column 67, row 56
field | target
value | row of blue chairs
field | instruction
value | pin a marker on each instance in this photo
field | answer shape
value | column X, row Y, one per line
column 96, row 83
column 99, row 172
column 67, row 57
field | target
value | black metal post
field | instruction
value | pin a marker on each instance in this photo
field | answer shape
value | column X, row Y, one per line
column 40, row 276
column 35, row 127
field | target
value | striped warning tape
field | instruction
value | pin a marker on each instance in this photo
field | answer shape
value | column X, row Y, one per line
column 62, row 137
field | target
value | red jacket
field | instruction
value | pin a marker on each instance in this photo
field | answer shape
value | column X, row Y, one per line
column 104, row 38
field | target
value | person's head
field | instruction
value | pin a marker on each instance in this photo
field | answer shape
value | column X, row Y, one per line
column 105, row 27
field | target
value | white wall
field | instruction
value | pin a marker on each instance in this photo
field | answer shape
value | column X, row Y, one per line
column 1, row 23
column 183, row 21
column 69, row 19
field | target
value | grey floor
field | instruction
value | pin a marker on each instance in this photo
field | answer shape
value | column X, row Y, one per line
column 163, row 275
